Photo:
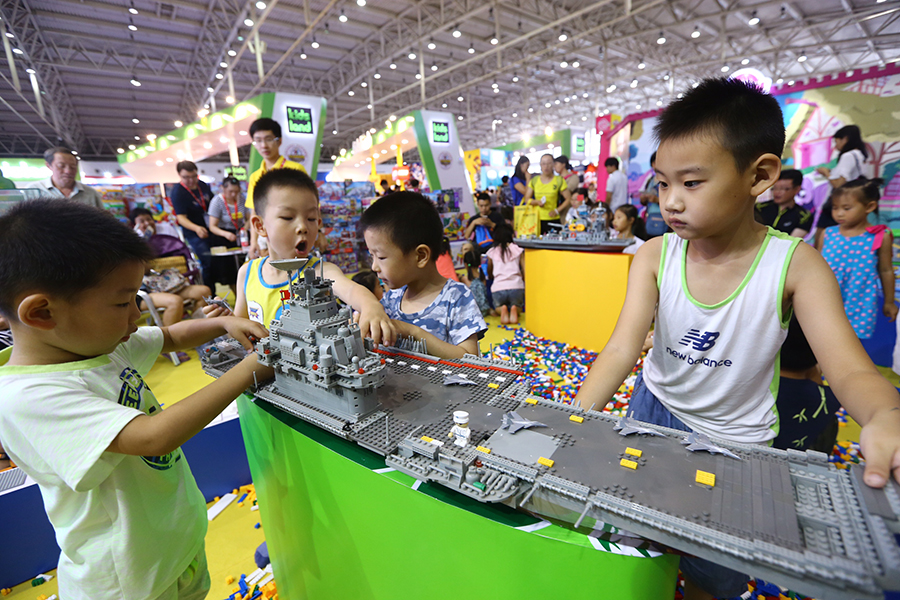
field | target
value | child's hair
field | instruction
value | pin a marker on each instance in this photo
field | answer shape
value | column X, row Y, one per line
column 281, row 178
column 139, row 212
column 854, row 139
column 745, row 120
column 507, row 212
column 794, row 175
column 472, row 260
column 409, row 219
column 186, row 165
column 638, row 229
column 61, row 247
column 612, row 161
column 503, row 236
column 865, row 190
column 519, row 171
column 367, row 279
column 563, row 160
column 265, row 124
column 482, row 196
column 445, row 246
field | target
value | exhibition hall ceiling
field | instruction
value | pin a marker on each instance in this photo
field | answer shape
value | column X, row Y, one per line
column 110, row 72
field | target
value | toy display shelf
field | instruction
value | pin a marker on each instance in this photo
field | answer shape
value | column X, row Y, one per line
column 339, row 524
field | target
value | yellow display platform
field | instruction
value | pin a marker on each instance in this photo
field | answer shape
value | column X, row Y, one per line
column 575, row 297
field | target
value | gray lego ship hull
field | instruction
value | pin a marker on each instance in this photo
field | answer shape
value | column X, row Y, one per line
column 785, row 516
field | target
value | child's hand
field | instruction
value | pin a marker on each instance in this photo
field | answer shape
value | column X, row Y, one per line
column 374, row 323
column 216, row 307
column 880, row 444
column 890, row 310
column 251, row 365
column 244, row 330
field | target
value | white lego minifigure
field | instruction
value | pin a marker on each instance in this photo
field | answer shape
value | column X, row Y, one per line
column 460, row 429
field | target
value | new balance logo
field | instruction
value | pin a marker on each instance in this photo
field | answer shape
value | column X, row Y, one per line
column 700, row 341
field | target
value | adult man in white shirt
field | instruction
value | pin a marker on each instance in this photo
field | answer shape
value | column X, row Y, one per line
column 616, row 185
column 63, row 168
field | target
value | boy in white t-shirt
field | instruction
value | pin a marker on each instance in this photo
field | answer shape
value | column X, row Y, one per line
column 77, row 417
column 722, row 289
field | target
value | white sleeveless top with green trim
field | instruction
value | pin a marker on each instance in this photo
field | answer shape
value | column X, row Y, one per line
column 717, row 367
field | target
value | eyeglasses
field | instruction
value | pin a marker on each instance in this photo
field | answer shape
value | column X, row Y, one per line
column 265, row 142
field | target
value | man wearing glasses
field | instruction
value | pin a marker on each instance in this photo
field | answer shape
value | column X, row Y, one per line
column 266, row 136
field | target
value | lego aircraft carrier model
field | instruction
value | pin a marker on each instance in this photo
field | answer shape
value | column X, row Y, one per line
column 470, row 425
column 587, row 232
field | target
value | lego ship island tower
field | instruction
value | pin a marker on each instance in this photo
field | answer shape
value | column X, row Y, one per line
column 319, row 357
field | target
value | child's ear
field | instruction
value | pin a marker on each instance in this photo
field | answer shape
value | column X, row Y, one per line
column 257, row 223
column 423, row 255
column 35, row 311
column 871, row 207
column 766, row 170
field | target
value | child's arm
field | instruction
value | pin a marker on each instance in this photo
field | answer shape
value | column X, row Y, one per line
column 620, row 354
column 167, row 430
column 820, row 240
column 438, row 347
column 193, row 332
column 490, row 268
column 886, row 273
column 862, row 390
column 373, row 321
column 240, row 304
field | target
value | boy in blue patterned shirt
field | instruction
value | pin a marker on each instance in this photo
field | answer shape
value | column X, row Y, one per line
column 403, row 232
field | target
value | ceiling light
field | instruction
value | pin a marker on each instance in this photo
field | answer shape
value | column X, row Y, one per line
column 334, row 157
column 261, row 6
column 661, row 39
column 351, row 93
column 642, row 65
column 314, row 44
column 132, row 28
column 696, row 33
column 432, row 45
column 133, row 10
column 563, row 64
column 393, row 146
column 459, row 118
column 302, row 54
column 418, row 76
column 229, row 99
column 360, row 2
column 207, row 145
column 584, row 118
column 364, row 84
column 666, row 77
column 754, row 20
column 659, row 102
column 548, row 131
column 372, row 130
column 210, row 90
column 585, row 95
column 611, row 88
column 178, row 124
column 457, row 33
column 547, row 105
column 151, row 137
column 342, row 18
column 801, row 58
column 172, row 138
column 637, row 106
column 725, row 68
column 223, row 64
column 404, row 141
column 494, row 41
column 634, row 83
column 120, row 150
column 434, row 67
column 791, row 82
column 30, row 71
column 232, row 52
column 515, row 115
column 563, row 36
column 515, row 79
column 135, row 120
column 779, row 81
column 496, row 90
column 444, row 105
column 495, row 84
column 334, row 132
column 377, row 75
column 131, row 146
column 393, row 65
column 575, row 64
column 219, row 76
column 568, row 122
column 460, row 98
column 248, row 22
column 412, row 56
column 471, row 50
column 17, row 51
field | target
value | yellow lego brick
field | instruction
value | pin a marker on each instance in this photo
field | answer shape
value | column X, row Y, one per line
column 628, row 463
column 494, row 385
column 531, row 400
column 483, row 449
column 425, row 438
column 576, row 418
column 545, row 461
column 634, row 452
column 705, row 478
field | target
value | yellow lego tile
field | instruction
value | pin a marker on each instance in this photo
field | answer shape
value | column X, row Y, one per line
column 483, row 449
column 531, row 401
column 545, row 461
column 494, row 385
column 425, row 438
column 634, row 452
column 628, row 463
column 576, row 419
column 705, row 478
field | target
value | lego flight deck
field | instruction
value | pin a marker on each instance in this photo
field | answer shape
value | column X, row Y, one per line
column 470, row 424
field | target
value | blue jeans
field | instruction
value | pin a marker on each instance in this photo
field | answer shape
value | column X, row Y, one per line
column 509, row 298
column 714, row 579
column 200, row 248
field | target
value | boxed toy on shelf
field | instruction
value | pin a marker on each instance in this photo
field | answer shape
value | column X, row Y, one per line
column 341, row 205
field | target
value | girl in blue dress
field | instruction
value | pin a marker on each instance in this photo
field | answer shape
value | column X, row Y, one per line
column 860, row 255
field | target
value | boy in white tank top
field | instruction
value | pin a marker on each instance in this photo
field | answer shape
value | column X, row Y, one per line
column 722, row 289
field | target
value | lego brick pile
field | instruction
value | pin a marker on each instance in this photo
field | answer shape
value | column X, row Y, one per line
column 555, row 371
column 757, row 589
